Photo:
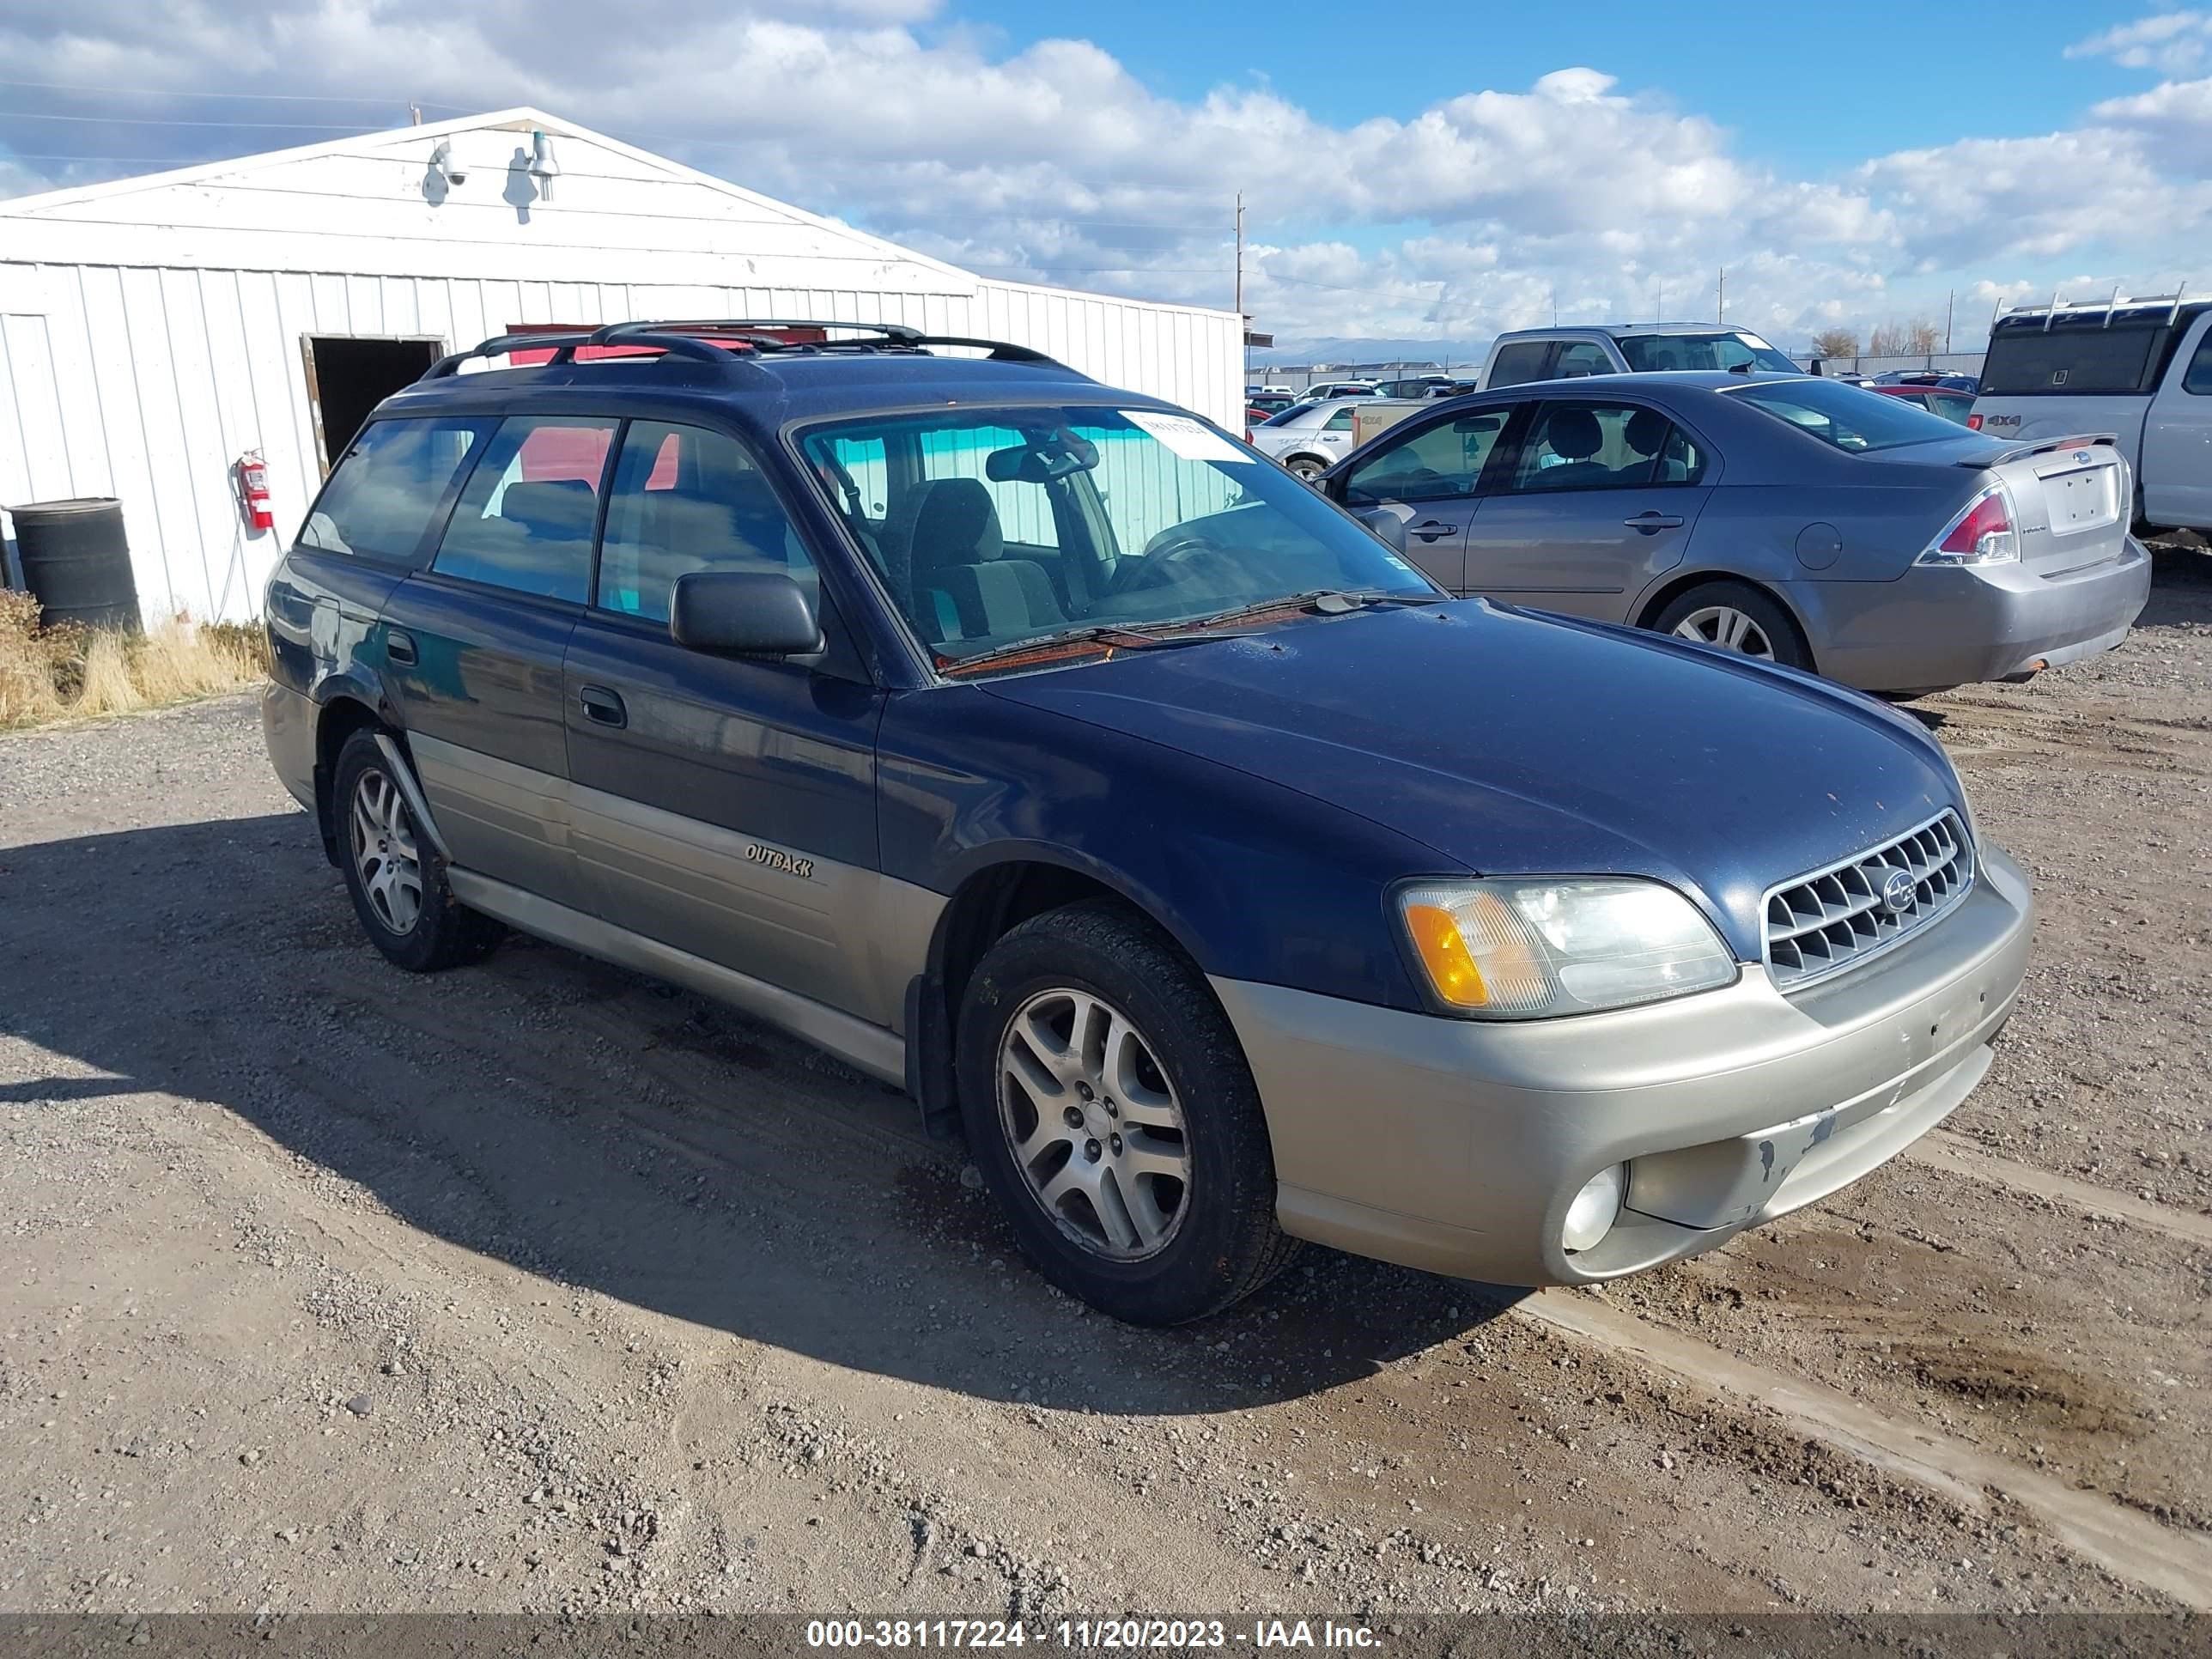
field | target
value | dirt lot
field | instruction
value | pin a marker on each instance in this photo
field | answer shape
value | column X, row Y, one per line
column 542, row 1287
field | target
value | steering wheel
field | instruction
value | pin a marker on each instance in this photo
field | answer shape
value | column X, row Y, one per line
column 1163, row 563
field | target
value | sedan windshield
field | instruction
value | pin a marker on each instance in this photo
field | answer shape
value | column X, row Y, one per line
column 1733, row 349
column 1848, row 417
column 992, row 526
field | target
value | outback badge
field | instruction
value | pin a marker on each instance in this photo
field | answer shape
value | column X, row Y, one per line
column 803, row 868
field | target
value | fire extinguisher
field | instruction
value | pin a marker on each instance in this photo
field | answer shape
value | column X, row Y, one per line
column 253, row 490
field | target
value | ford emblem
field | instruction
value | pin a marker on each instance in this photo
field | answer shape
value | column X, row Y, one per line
column 1897, row 892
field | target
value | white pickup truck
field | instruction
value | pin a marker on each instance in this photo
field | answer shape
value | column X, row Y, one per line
column 2141, row 369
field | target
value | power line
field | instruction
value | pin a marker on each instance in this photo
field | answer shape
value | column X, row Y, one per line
column 170, row 121
column 266, row 97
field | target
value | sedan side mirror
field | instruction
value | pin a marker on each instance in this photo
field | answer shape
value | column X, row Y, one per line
column 742, row 613
column 1388, row 525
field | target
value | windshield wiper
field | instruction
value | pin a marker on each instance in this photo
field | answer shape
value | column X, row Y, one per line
column 1112, row 636
column 1326, row 601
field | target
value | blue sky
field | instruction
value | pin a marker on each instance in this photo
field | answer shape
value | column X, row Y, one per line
column 1413, row 170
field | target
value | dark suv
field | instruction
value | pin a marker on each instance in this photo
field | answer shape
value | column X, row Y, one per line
column 1038, row 747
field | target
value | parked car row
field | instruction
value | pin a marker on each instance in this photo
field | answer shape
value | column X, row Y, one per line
column 1038, row 749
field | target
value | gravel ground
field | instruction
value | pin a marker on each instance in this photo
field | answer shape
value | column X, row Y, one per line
column 539, row 1286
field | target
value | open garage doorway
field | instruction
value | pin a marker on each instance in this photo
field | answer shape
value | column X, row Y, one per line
column 349, row 374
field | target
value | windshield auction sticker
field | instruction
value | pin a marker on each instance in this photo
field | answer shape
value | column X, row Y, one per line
column 1187, row 437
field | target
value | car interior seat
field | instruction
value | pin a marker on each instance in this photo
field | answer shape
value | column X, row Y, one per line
column 964, row 586
column 1575, row 435
column 1645, row 434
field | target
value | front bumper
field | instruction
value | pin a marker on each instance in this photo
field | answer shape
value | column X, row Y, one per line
column 1945, row 625
column 1455, row 1146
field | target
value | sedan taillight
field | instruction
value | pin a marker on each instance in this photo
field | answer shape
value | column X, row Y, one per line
column 1983, row 533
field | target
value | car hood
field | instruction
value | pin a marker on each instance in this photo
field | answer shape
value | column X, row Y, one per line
column 1513, row 743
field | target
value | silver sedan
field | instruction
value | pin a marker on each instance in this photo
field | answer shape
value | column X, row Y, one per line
column 1308, row 437
column 1785, row 517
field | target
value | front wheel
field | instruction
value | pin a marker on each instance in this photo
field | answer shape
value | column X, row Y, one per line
column 1108, row 1106
column 1306, row 467
column 1735, row 617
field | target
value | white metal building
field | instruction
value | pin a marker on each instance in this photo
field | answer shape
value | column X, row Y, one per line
column 154, row 330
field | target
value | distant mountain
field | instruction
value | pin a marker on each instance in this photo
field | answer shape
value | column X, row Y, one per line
column 1292, row 352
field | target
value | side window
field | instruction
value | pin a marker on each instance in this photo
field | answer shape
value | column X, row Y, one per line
column 1576, row 445
column 525, row 520
column 1340, row 422
column 1438, row 462
column 1519, row 363
column 380, row 500
column 686, row 499
column 1579, row 357
column 1025, row 509
column 2198, row 376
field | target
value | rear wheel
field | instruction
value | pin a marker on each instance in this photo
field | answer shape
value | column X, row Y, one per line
column 1108, row 1106
column 398, row 883
column 1735, row 617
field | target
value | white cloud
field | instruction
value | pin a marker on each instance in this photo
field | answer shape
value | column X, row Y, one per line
column 1053, row 162
column 2174, row 41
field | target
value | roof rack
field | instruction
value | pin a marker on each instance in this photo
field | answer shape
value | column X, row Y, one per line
column 2058, row 307
column 720, row 340
column 760, row 333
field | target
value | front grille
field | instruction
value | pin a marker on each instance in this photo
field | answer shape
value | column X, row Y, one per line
column 1838, row 917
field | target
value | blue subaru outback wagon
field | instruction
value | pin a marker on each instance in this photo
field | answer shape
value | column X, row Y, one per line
column 1041, row 749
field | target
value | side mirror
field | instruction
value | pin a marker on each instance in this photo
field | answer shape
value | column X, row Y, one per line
column 742, row 613
column 1388, row 526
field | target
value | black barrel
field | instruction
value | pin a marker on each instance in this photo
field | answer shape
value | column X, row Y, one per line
column 76, row 562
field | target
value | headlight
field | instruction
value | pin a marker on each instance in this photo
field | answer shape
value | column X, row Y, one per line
column 1521, row 949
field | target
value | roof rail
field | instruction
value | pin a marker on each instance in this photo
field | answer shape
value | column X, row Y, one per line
column 564, row 347
column 719, row 339
column 759, row 332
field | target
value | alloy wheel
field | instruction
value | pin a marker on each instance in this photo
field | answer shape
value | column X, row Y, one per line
column 384, row 851
column 1094, row 1125
column 1731, row 629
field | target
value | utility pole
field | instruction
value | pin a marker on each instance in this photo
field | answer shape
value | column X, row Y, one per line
column 1555, row 305
column 1950, row 300
column 1244, row 346
column 1720, row 306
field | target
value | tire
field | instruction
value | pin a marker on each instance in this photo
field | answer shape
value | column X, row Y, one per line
column 398, row 886
column 1723, row 613
column 1306, row 467
column 1183, row 1224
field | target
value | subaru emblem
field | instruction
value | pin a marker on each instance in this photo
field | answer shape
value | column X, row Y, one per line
column 1898, row 888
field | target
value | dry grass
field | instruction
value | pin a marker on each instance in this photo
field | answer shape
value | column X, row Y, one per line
column 68, row 673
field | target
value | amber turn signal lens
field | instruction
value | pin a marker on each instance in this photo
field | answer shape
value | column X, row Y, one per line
column 1444, row 954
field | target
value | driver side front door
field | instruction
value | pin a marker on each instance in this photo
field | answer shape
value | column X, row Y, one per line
column 1428, row 475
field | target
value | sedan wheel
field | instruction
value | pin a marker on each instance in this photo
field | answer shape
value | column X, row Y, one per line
column 1306, row 467
column 1094, row 1125
column 384, row 852
column 1727, row 628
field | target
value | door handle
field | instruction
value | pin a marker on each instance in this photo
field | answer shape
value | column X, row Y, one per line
column 1429, row 530
column 1651, row 521
column 603, row 706
column 399, row 647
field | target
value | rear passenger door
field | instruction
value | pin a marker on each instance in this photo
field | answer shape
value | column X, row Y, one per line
column 474, row 643
column 723, row 807
column 1599, row 498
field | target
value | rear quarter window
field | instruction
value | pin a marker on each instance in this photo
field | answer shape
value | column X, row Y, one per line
column 2081, row 359
column 380, row 499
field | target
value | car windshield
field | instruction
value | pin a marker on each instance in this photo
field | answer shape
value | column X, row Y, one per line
column 991, row 526
column 1733, row 349
column 1847, row 417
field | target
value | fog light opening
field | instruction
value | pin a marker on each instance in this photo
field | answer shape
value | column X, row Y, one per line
column 1594, row 1209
